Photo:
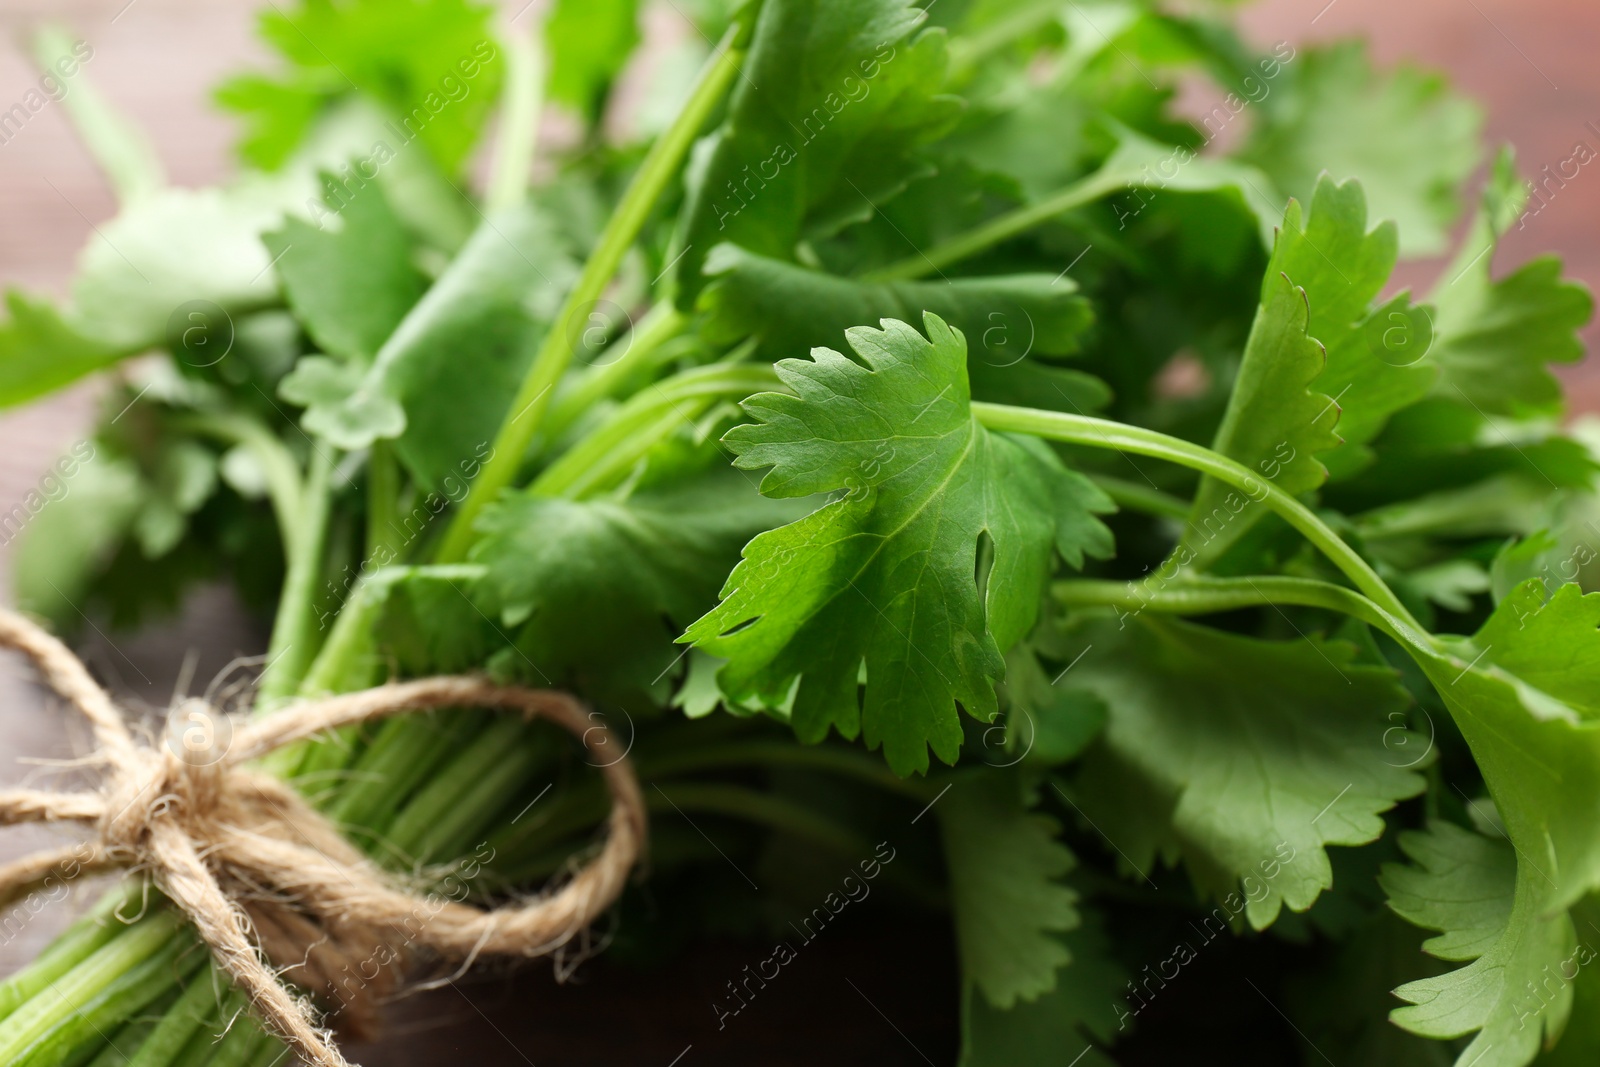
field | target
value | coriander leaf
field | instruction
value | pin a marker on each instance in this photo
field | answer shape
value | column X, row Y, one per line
column 40, row 351
column 1493, row 339
column 1050, row 1031
column 1459, row 882
column 598, row 589
column 1139, row 162
column 885, row 575
column 174, row 250
column 278, row 114
column 178, row 246
column 431, row 63
column 1373, row 356
column 1013, row 319
column 1470, row 888
column 410, row 620
column 451, row 366
column 1451, row 583
column 1549, row 644
column 1580, row 1041
column 1402, row 133
column 430, row 621
column 1276, row 421
column 1522, row 693
column 1031, row 142
column 1204, row 724
column 834, row 96
column 588, row 42
column 1341, row 1001
column 349, row 286
column 1374, row 370
column 183, row 476
column 1046, row 724
column 1500, row 505
column 1005, row 868
column 1440, row 445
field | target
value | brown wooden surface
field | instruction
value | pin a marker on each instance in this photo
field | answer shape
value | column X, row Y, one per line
column 1533, row 65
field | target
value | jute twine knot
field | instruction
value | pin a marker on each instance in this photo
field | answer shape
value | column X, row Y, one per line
column 269, row 883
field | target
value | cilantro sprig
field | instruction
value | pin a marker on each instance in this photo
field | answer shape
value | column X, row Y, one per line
column 909, row 424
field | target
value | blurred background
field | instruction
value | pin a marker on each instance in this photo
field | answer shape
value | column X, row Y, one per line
column 1530, row 64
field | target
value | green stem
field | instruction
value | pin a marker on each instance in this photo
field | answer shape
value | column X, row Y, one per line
column 203, row 1048
column 521, row 102
column 647, row 417
column 129, row 1035
column 194, row 1008
column 1103, row 433
column 1205, row 596
column 383, row 499
column 476, row 784
column 527, row 410
column 1146, row 498
column 1087, row 190
column 404, row 755
column 294, row 641
column 87, row 984
column 646, row 345
column 80, row 941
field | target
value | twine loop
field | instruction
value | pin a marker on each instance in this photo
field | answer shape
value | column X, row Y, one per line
column 275, row 891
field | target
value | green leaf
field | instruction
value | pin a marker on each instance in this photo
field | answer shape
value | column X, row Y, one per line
column 1440, row 445
column 1276, row 421
column 40, row 352
column 1374, row 355
column 1246, row 757
column 430, row 622
column 1045, row 723
column 1580, row 1041
column 445, row 376
column 1005, row 868
column 1493, row 339
column 1140, row 162
column 1521, row 692
column 1500, row 505
column 352, row 284
column 1467, row 886
column 1050, row 1031
column 1014, row 321
column 1402, row 133
column 1341, row 997
column 432, row 64
column 1460, row 883
column 886, row 576
column 589, row 41
column 600, row 588
column 834, row 97
column 182, row 478
column 176, row 248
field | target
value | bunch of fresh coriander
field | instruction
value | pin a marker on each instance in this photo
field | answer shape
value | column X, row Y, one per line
column 1100, row 460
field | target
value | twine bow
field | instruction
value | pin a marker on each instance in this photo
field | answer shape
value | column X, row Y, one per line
column 263, row 874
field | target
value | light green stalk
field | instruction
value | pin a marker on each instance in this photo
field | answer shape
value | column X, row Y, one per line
column 526, row 415
column 1103, row 433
